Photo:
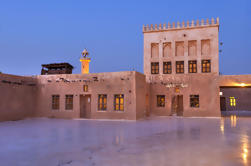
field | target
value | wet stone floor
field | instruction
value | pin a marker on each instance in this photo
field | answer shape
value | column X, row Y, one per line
column 157, row 141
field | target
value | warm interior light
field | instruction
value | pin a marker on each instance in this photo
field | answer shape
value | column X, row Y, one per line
column 221, row 93
column 232, row 101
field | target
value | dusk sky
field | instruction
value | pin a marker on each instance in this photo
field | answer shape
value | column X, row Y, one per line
column 35, row 32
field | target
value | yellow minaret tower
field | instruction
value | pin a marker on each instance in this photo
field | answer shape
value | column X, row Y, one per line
column 85, row 62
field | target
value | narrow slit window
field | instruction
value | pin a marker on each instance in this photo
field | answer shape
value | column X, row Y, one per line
column 85, row 88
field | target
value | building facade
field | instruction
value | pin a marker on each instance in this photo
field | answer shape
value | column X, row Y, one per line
column 115, row 95
column 181, row 77
column 181, row 64
column 235, row 91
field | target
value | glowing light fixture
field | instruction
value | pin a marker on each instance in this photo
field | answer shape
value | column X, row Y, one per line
column 221, row 93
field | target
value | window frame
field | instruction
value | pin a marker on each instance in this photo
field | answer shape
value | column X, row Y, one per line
column 69, row 102
column 192, row 68
column 120, row 104
column 232, row 101
column 193, row 102
column 154, row 67
column 180, row 69
column 206, row 69
column 166, row 69
column 55, row 103
column 160, row 102
column 85, row 88
column 102, row 102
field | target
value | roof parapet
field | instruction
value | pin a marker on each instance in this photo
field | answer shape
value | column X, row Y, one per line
column 192, row 24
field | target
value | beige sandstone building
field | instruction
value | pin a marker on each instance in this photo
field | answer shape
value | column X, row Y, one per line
column 181, row 77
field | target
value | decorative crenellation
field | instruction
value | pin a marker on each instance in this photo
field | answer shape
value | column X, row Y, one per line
column 178, row 25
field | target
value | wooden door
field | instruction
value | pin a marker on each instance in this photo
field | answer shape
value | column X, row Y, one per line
column 180, row 105
column 177, row 105
column 85, row 106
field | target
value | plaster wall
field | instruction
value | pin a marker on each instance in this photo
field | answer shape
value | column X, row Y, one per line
column 234, row 80
column 175, row 36
column 231, row 86
column 205, row 86
column 18, row 97
column 242, row 98
column 101, row 83
column 142, row 96
column 184, row 44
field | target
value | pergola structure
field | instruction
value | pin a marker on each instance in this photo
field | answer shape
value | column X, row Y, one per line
column 56, row 68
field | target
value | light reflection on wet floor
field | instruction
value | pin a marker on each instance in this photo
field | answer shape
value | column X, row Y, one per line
column 157, row 141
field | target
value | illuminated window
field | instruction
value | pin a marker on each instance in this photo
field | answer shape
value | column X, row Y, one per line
column 180, row 67
column 167, row 67
column 205, row 66
column 192, row 66
column 160, row 100
column 102, row 102
column 155, row 67
column 194, row 101
column 119, row 102
column 232, row 101
column 68, row 102
column 55, row 102
column 85, row 88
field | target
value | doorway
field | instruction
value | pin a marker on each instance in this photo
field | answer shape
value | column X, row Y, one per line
column 223, row 103
column 177, row 105
column 85, row 106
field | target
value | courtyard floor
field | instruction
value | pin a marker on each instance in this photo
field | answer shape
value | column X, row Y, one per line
column 157, row 141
